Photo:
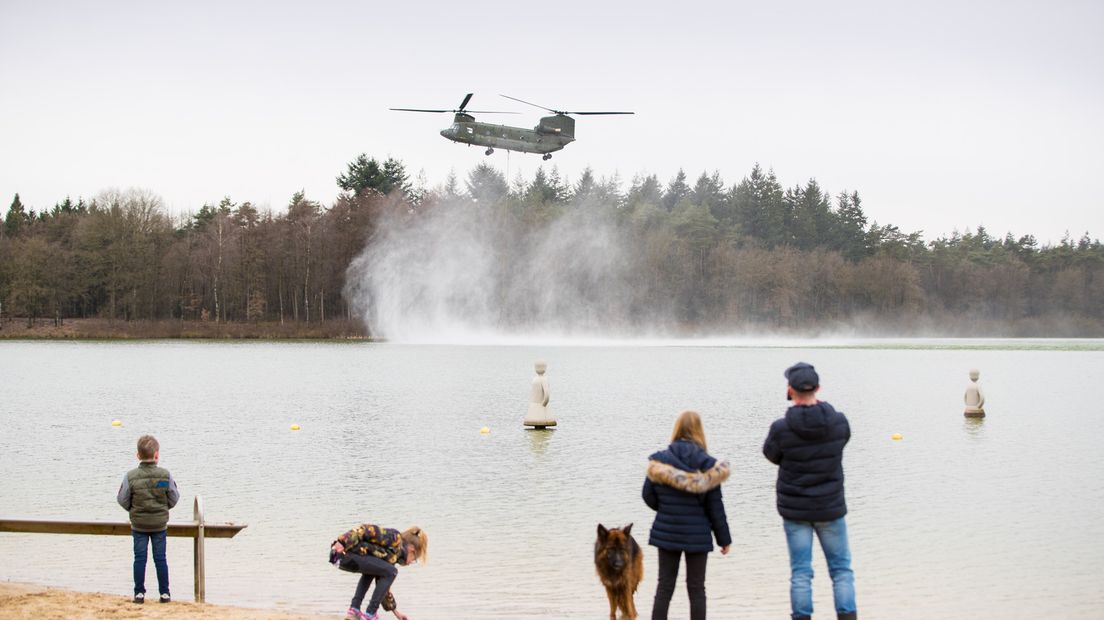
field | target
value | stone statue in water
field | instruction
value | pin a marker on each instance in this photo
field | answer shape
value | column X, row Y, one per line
column 539, row 415
column 975, row 400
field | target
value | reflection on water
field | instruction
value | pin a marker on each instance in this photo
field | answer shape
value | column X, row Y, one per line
column 975, row 427
column 538, row 440
column 961, row 518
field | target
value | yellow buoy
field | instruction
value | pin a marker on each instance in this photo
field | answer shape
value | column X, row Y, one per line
column 896, row 436
column 485, row 431
column 116, row 423
column 294, row 427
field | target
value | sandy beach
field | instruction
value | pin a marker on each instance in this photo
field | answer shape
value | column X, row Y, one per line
column 19, row 601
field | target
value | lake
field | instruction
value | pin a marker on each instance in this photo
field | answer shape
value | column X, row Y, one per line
column 961, row 518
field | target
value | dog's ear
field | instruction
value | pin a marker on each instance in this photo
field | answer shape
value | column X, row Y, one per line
column 627, row 529
column 602, row 532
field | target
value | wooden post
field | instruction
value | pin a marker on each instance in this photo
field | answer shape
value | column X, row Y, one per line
column 197, row 511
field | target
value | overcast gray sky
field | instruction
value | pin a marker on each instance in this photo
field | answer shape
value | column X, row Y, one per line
column 943, row 115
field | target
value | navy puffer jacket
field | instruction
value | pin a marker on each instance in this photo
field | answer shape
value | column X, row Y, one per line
column 683, row 486
column 807, row 445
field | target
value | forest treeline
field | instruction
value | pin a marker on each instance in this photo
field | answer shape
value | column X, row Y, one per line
column 718, row 257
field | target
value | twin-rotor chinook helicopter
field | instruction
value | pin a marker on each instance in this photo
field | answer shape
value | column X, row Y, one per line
column 551, row 134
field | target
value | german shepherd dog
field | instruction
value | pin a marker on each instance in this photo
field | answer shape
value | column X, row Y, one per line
column 620, row 565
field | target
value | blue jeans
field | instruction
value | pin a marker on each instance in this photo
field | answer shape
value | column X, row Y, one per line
column 833, row 541
column 141, row 541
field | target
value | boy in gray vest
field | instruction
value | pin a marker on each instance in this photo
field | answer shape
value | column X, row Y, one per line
column 147, row 493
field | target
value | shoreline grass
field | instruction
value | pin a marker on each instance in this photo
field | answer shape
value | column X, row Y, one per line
column 103, row 329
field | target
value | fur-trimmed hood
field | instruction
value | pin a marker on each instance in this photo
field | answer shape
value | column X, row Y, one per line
column 683, row 486
column 690, row 481
column 686, row 467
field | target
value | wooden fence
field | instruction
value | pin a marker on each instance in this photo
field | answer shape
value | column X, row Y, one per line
column 198, row 530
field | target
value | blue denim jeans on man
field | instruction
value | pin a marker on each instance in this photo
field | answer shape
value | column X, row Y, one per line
column 833, row 541
column 157, row 541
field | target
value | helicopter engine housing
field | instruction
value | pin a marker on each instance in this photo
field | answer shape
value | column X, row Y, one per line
column 558, row 125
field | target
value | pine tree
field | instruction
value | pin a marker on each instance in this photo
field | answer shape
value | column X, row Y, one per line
column 395, row 178
column 558, row 185
column 644, row 190
column 226, row 206
column 16, row 218
column 759, row 209
column 451, row 189
column 607, row 192
column 364, row 173
column 810, row 216
column 850, row 221
column 486, row 185
column 677, row 189
column 585, row 189
column 203, row 217
column 709, row 192
column 543, row 189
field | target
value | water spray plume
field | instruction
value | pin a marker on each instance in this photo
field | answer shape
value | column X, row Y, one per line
column 477, row 272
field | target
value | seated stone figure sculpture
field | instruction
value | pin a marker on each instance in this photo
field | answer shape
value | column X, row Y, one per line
column 975, row 399
column 539, row 415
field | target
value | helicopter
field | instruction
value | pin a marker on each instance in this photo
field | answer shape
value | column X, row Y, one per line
column 551, row 134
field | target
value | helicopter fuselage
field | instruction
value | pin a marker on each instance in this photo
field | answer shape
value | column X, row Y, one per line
column 552, row 134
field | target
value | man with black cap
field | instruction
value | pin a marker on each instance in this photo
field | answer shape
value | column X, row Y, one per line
column 807, row 445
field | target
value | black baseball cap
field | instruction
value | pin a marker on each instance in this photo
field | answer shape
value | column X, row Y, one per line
column 802, row 377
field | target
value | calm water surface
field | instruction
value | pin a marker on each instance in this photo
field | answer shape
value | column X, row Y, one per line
column 990, row 519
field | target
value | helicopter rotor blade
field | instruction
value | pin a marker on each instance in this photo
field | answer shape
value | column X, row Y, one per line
column 532, row 104
column 561, row 111
column 453, row 111
column 464, row 103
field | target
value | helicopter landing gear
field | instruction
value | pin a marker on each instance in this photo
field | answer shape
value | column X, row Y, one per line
column 547, row 156
column 488, row 151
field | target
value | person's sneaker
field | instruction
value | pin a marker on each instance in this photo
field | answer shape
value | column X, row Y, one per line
column 354, row 614
column 372, row 617
column 165, row 598
column 140, row 598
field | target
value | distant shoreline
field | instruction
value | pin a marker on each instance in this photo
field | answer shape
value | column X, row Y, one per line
column 13, row 329
column 104, row 329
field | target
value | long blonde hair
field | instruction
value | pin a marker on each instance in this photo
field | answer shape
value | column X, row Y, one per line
column 688, row 426
column 416, row 536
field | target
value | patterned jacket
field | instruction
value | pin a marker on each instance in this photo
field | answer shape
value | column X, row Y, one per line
column 381, row 542
column 367, row 539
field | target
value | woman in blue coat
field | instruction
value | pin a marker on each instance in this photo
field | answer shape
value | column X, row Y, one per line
column 683, row 486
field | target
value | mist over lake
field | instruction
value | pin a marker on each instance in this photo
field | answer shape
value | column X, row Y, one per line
column 961, row 518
